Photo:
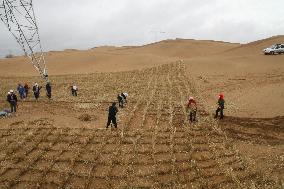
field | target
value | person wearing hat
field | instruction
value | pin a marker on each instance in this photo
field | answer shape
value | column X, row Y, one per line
column 124, row 96
column 12, row 99
column 192, row 107
column 36, row 90
column 112, row 111
column 74, row 90
column 221, row 106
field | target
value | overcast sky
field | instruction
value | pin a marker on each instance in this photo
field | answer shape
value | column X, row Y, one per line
column 66, row 24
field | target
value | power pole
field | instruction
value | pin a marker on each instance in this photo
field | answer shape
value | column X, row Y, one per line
column 19, row 18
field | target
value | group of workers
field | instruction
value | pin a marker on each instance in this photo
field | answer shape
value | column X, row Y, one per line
column 112, row 110
column 192, row 108
column 23, row 91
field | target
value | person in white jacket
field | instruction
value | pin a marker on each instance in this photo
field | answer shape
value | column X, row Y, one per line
column 124, row 96
column 74, row 90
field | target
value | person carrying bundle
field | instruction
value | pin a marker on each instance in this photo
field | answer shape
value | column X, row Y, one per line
column 192, row 108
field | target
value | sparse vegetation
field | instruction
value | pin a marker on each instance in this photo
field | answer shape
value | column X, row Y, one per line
column 154, row 146
column 85, row 117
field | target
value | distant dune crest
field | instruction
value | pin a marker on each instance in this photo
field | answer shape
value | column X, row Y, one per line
column 110, row 58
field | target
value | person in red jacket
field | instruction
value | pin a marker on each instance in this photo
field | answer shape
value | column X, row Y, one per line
column 192, row 108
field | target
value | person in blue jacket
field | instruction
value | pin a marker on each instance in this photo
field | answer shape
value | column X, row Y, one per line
column 22, row 91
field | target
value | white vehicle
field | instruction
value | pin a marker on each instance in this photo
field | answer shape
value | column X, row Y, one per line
column 274, row 49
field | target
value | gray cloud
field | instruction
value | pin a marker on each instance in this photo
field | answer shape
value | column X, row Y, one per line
column 84, row 24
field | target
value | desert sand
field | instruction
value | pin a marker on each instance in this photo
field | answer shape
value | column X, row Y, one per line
column 63, row 142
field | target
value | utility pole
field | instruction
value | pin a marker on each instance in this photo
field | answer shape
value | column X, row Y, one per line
column 19, row 17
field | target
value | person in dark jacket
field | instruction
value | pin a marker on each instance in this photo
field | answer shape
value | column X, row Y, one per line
column 26, row 86
column 12, row 99
column 48, row 90
column 221, row 106
column 36, row 90
column 120, row 100
column 112, row 111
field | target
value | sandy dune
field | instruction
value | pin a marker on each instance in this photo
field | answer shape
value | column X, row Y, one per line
column 251, row 81
column 62, row 143
column 112, row 59
column 241, row 71
column 256, row 46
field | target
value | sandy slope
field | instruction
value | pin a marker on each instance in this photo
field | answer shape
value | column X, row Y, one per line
column 256, row 46
column 81, row 62
column 154, row 143
column 240, row 151
column 242, row 72
column 112, row 59
column 182, row 48
column 252, row 82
